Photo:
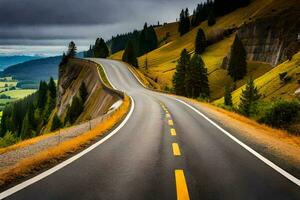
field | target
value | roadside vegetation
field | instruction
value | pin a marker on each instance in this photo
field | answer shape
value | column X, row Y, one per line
column 55, row 154
column 224, row 77
column 27, row 118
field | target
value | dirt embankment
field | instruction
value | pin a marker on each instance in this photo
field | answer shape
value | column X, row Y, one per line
column 71, row 76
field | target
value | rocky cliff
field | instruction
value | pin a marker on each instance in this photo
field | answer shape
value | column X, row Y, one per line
column 274, row 37
column 99, row 100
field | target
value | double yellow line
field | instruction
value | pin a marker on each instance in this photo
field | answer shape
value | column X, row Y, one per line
column 181, row 186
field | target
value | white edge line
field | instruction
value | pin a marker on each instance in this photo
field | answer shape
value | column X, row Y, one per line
column 249, row 149
column 39, row 177
column 105, row 74
column 136, row 77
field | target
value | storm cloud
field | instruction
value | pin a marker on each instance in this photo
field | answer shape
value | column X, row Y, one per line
column 57, row 21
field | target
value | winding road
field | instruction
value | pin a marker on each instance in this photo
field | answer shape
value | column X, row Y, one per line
column 166, row 150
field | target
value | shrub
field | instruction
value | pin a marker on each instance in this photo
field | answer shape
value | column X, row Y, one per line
column 8, row 139
column 281, row 113
column 282, row 76
column 287, row 79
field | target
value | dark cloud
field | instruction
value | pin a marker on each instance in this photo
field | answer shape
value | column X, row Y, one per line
column 81, row 19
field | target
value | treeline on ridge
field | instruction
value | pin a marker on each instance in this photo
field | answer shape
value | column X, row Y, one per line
column 207, row 11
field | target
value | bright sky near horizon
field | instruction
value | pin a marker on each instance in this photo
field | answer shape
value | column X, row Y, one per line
column 30, row 27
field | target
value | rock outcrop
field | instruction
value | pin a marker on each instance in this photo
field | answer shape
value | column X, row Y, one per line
column 99, row 99
column 272, row 38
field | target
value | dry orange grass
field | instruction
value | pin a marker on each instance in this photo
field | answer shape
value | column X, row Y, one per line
column 263, row 129
column 54, row 154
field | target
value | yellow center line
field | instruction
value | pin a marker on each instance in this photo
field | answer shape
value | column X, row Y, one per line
column 176, row 150
column 173, row 132
column 181, row 187
column 170, row 122
column 168, row 116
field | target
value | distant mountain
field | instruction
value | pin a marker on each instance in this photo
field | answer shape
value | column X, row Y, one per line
column 35, row 70
column 6, row 61
column 39, row 69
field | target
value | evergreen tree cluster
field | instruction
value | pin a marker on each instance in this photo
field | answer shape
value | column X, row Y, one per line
column 26, row 118
column 223, row 7
column 147, row 40
column 143, row 41
column 130, row 56
column 184, row 22
column 119, row 42
column 208, row 11
column 201, row 13
column 191, row 77
column 99, row 50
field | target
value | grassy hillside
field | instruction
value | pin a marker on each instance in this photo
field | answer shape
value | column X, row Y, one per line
column 162, row 61
column 270, row 85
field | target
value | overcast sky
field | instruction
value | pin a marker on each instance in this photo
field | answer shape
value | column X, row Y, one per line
column 55, row 22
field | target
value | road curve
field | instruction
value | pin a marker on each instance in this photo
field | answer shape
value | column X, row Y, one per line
column 165, row 151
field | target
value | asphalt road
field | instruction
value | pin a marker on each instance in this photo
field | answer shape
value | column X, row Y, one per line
column 166, row 150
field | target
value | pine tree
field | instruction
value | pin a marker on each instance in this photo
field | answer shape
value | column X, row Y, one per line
column 187, row 22
column 56, row 123
column 26, row 131
column 72, row 50
column 249, row 98
column 143, row 41
column 64, row 60
column 179, row 76
column 52, row 88
column 181, row 23
column 42, row 95
column 83, row 92
column 237, row 67
column 211, row 18
column 129, row 55
column 100, row 49
column 196, row 79
column 74, row 110
column 200, row 42
column 227, row 96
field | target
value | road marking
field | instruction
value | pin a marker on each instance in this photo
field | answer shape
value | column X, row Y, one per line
column 176, row 149
column 170, row 122
column 173, row 132
column 168, row 116
column 181, row 187
column 249, row 149
column 39, row 177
